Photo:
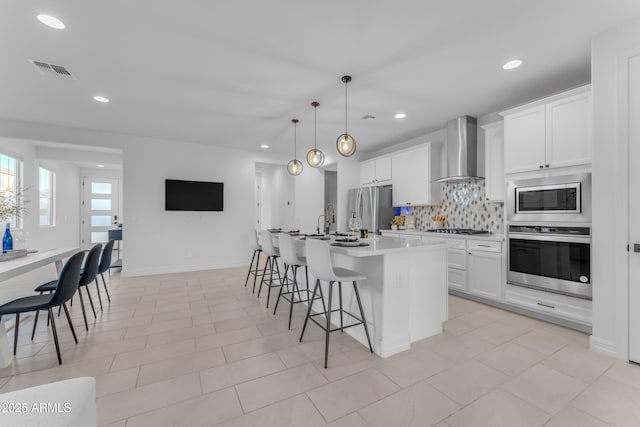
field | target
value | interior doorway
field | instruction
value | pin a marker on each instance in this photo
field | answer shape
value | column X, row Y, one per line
column 100, row 209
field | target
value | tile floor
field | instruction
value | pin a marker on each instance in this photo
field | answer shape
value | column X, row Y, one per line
column 198, row 349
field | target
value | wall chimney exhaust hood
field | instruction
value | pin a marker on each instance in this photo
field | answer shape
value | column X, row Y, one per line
column 461, row 150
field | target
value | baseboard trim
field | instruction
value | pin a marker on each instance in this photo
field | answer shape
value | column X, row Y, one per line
column 602, row 346
column 137, row 272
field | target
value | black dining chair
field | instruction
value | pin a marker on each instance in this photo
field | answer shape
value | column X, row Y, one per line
column 103, row 267
column 88, row 276
column 67, row 285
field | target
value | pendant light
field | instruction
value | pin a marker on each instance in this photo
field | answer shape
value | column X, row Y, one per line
column 294, row 166
column 346, row 144
column 315, row 157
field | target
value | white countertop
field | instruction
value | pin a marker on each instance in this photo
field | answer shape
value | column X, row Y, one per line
column 491, row 236
column 386, row 245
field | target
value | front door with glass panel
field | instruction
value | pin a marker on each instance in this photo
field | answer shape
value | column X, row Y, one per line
column 100, row 210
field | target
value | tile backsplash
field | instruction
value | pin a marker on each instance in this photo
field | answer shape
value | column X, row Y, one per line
column 464, row 205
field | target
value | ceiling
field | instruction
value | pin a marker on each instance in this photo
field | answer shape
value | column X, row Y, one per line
column 236, row 73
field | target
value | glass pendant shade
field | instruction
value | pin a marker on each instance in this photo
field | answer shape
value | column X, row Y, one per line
column 315, row 157
column 294, row 167
column 346, row 145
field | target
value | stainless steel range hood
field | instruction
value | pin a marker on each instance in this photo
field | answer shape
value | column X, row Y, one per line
column 462, row 150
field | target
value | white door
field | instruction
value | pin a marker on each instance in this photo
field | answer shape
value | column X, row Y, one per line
column 634, row 209
column 100, row 209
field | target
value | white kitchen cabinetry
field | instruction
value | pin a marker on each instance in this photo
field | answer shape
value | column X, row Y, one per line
column 562, row 306
column 457, row 263
column 549, row 133
column 413, row 172
column 376, row 171
column 484, row 268
column 494, row 161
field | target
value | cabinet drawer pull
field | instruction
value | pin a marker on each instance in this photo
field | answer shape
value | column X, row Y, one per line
column 546, row 166
column 547, row 305
column 485, row 246
column 541, row 166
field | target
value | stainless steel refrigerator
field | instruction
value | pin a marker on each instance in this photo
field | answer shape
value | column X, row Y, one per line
column 373, row 206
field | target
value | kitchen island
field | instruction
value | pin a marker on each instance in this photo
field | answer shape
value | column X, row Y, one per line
column 405, row 294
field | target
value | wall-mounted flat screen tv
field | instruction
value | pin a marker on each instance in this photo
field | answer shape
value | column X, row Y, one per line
column 193, row 195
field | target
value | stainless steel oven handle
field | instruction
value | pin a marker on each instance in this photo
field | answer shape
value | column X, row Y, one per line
column 550, row 238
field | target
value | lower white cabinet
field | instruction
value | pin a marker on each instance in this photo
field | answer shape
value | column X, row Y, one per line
column 566, row 307
column 484, row 272
column 484, row 268
column 457, row 263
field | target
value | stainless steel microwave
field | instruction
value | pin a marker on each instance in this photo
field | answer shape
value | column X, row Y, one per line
column 562, row 198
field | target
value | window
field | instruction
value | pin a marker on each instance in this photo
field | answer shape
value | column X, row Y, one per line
column 46, row 185
column 10, row 172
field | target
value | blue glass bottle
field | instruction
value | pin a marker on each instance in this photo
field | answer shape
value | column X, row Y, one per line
column 7, row 240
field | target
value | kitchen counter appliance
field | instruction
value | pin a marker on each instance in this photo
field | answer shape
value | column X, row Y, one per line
column 372, row 206
column 554, row 259
column 549, row 234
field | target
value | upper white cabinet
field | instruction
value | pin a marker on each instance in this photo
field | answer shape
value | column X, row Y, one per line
column 413, row 172
column 376, row 171
column 494, row 161
column 551, row 133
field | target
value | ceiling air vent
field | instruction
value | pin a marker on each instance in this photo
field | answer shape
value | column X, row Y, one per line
column 53, row 70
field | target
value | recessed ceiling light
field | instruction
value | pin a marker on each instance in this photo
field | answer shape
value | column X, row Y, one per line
column 100, row 98
column 100, row 166
column 400, row 116
column 51, row 21
column 264, row 146
column 510, row 65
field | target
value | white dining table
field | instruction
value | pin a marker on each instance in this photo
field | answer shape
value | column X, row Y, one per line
column 22, row 265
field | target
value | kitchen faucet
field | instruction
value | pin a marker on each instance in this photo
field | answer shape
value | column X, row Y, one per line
column 318, row 227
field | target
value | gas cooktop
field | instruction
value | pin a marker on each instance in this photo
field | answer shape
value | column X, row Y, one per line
column 458, row 231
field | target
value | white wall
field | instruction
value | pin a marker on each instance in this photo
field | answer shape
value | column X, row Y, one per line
column 158, row 241
column 609, row 53
column 66, row 232
column 309, row 197
column 278, row 197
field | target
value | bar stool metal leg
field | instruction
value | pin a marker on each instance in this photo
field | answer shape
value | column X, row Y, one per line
column 286, row 282
column 341, row 315
column 364, row 321
column 268, row 265
column 295, row 288
column 306, row 319
column 255, row 273
column 250, row 266
column 328, row 329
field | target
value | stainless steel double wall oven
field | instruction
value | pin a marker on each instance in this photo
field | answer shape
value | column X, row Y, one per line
column 549, row 234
